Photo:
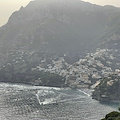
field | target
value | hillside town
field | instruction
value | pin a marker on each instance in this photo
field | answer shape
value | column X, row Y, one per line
column 85, row 72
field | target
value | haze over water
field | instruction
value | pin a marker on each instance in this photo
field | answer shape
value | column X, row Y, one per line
column 72, row 33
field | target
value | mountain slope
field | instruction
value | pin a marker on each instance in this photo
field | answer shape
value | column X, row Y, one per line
column 60, row 27
column 49, row 36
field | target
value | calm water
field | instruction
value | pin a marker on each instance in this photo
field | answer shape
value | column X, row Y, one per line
column 21, row 102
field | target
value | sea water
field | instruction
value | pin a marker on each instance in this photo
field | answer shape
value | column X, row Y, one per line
column 24, row 102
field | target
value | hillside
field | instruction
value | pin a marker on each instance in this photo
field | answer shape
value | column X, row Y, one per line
column 108, row 89
column 74, row 40
column 61, row 27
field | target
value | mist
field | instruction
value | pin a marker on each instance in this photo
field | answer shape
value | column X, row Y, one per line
column 59, row 60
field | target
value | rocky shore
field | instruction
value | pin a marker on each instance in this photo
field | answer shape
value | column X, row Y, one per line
column 108, row 89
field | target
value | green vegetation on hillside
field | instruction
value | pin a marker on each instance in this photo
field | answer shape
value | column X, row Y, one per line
column 112, row 116
column 23, row 73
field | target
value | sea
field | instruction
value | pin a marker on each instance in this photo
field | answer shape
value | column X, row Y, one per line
column 26, row 102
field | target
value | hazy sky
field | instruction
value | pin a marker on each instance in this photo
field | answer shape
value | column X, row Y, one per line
column 105, row 2
column 7, row 7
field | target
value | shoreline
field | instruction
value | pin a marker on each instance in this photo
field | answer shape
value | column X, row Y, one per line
column 85, row 92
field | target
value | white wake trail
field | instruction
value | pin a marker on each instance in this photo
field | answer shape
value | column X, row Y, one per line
column 85, row 93
column 38, row 98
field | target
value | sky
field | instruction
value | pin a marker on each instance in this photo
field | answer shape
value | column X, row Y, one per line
column 105, row 2
column 7, row 7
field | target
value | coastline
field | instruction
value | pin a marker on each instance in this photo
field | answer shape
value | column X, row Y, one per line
column 87, row 92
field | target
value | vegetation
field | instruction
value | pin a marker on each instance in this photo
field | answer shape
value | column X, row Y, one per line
column 112, row 116
column 108, row 89
column 23, row 73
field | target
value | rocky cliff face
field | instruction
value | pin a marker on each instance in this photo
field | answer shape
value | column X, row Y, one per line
column 108, row 89
column 64, row 26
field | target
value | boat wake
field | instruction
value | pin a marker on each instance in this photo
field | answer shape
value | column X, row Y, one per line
column 53, row 96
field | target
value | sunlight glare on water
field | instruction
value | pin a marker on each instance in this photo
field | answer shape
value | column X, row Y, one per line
column 24, row 102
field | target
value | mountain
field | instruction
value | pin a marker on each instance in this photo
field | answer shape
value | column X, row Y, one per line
column 76, row 41
column 61, row 27
column 107, row 88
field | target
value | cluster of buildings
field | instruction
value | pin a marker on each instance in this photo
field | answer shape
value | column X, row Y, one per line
column 85, row 72
column 81, row 74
